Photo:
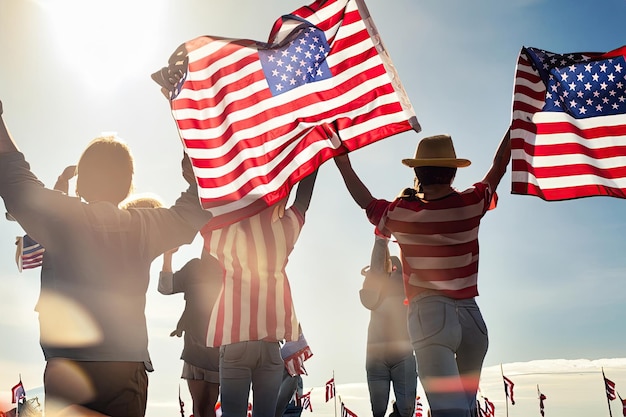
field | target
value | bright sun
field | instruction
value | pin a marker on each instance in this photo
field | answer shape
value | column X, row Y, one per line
column 103, row 40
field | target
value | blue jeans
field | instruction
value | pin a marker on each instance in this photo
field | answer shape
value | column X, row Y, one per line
column 254, row 362
column 402, row 373
column 450, row 341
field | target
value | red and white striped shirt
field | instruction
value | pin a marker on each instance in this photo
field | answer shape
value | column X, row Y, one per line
column 438, row 240
column 255, row 302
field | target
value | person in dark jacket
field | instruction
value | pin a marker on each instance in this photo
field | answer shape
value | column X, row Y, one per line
column 96, row 271
column 200, row 280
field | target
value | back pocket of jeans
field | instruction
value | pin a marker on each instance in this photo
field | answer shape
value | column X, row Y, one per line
column 478, row 319
column 426, row 320
column 234, row 352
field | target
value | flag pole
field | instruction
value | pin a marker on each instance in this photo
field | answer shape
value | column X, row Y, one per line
column 506, row 400
column 335, row 389
column 17, row 405
column 608, row 401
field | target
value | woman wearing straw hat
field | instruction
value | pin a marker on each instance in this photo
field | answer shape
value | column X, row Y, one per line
column 437, row 229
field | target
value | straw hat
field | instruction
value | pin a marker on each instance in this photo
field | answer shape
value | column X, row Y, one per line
column 436, row 151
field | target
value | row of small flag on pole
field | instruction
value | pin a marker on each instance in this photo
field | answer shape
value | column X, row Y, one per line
column 489, row 410
column 345, row 411
column 330, row 393
column 304, row 401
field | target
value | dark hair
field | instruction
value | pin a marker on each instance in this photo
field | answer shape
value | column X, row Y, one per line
column 429, row 175
column 105, row 171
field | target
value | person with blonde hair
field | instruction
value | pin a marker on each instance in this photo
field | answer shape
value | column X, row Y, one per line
column 95, row 272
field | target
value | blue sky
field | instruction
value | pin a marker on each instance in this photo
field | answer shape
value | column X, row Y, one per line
column 551, row 277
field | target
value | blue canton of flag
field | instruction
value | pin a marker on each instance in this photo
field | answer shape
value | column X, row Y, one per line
column 580, row 87
column 301, row 61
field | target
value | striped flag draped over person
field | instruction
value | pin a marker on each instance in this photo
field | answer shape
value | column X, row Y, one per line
column 568, row 136
column 255, row 118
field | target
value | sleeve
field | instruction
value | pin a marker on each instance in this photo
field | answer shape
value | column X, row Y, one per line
column 376, row 212
column 299, row 216
column 166, row 283
column 174, row 226
column 30, row 203
column 178, row 282
column 485, row 192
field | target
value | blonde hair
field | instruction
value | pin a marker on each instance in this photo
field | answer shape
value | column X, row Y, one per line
column 141, row 201
column 105, row 171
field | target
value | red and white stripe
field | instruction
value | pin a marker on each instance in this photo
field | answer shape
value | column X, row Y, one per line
column 247, row 147
column 255, row 301
column 557, row 157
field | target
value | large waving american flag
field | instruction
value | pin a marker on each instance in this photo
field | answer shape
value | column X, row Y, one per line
column 568, row 136
column 255, row 118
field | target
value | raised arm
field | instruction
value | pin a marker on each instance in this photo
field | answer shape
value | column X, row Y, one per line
column 166, row 277
column 304, row 193
column 357, row 189
column 500, row 162
column 62, row 183
column 7, row 144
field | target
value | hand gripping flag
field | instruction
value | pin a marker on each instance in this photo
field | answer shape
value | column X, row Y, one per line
column 568, row 136
column 255, row 118
column 294, row 355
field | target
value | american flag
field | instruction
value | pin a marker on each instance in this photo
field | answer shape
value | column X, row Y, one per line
column 305, row 401
column 541, row 400
column 508, row 389
column 419, row 410
column 18, row 393
column 181, row 404
column 294, row 355
column 255, row 118
column 330, row 389
column 345, row 412
column 623, row 406
column 568, row 136
column 28, row 254
column 488, row 411
column 609, row 387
